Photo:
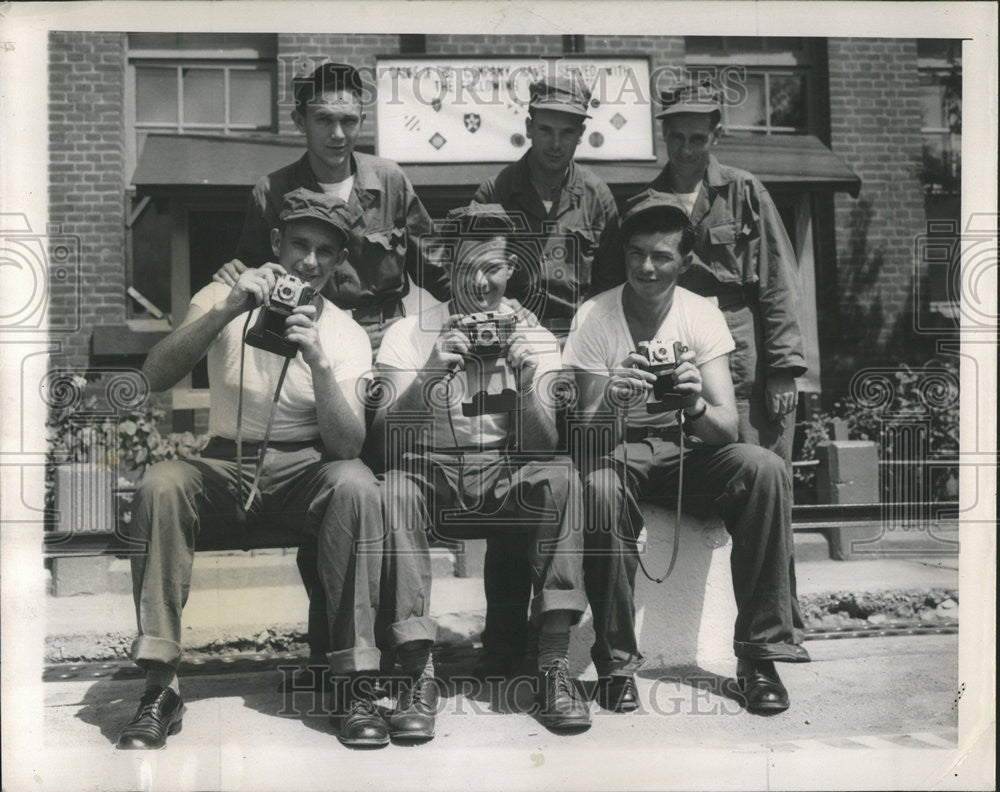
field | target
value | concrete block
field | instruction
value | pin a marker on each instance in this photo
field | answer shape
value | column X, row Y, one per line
column 848, row 472
column 85, row 575
column 689, row 618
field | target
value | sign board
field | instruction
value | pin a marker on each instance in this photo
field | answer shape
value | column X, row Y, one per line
column 470, row 109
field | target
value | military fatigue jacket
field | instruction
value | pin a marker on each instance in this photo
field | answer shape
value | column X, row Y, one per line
column 569, row 253
column 385, row 241
column 743, row 256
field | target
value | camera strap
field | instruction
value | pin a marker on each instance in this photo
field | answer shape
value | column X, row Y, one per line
column 242, row 507
column 623, row 416
column 255, row 484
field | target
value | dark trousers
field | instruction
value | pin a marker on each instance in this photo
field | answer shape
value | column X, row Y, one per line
column 751, row 490
column 475, row 495
column 340, row 509
column 505, row 568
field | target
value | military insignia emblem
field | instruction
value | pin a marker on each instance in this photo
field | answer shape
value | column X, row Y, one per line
column 472, row 121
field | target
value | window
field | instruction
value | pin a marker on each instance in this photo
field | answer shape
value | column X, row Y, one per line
column 771, row 79
column 940, row 69
column 940, row 64
column 203, row 82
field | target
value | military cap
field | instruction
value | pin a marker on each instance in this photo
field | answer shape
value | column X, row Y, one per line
column 655, row 201
column 300, row 204
column 326, row 77
column 565, row 94
column 692, row 97
column 478, row 218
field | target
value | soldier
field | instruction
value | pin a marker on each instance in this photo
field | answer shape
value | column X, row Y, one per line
column 749, row 485
column 308, row 467
column 495, row 466
column 743, row 260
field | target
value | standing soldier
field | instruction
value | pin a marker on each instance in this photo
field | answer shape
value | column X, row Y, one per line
column 385, row 242
column 743, row 259
column 570, row 216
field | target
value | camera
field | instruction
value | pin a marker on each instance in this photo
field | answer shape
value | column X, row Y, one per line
column 662, row 363
column 268, row 332
column 488, row 333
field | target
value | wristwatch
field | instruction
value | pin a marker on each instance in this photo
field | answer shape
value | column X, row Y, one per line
column 697, row 415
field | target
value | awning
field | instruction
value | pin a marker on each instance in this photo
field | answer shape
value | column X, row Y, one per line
column 789, row 161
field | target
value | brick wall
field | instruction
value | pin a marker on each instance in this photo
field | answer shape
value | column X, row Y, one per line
column 86, row 178
column 875, row 126
column 492, row 46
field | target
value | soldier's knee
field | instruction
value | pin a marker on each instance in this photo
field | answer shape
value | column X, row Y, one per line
column 164, row 478
column 763, row 465
column 351, row 479
column 602, row 485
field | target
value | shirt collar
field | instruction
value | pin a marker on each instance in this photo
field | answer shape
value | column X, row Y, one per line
column 364, row 174
column 714, row 176
column 572, row 183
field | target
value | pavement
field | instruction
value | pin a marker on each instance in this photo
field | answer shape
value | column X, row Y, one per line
column 893, row 725
column 866, row 712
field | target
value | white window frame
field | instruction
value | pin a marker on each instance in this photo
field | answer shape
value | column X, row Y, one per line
column 182, row 126
column 939, row 67
column 766, row 64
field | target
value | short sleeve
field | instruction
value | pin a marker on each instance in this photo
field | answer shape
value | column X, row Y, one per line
column 350, row 348
column 712, row 334
column 398, row 350
column 209, row 295
column 587, row 344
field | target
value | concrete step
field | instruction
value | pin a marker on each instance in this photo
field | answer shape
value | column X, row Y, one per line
column 277, row 567
column 221, row 570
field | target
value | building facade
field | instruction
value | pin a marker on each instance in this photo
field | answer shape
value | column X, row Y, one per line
column 156, row 139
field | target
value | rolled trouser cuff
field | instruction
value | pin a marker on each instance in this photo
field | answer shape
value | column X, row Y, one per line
column 158, row 650
column 347, row 661
column 419, row 628
column 558, row 599
column 625, row 667
column 777, row 652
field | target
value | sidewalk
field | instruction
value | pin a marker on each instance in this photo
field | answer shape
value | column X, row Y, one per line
column 225, row 618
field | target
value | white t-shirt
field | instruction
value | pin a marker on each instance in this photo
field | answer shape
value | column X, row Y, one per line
column 341, row 189
column 408, row 344
column 688, row 200
column 345, row 344
column 600, row 339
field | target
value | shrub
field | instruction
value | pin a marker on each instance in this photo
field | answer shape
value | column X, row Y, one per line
column 880, row 397
column 126, row 439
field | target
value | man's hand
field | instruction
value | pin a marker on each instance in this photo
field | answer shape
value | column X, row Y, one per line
column 229, row 272
column 300, row 328
column 780, row 394
column 522, row 359
column 630, row 383
column 687, row 378
column 449, row 348
column 524, row 316
column 252, row 288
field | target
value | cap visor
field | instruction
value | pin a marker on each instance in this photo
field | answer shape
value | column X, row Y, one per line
column 688, row 107
column 559, row 107
column 345, row 232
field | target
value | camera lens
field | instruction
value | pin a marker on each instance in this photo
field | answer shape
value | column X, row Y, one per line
column 487, row 335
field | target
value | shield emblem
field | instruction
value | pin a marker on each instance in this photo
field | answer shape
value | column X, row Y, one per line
column 472, row 121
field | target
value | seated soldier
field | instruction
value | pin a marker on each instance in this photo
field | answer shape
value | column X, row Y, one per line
column 482, row 463
column 309, row 466
column 750, row 486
